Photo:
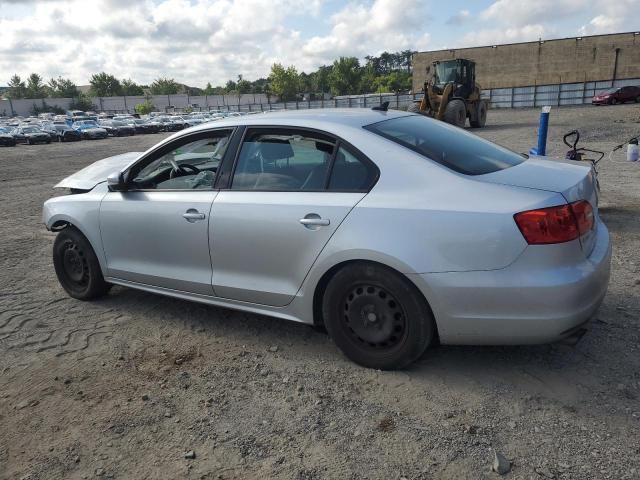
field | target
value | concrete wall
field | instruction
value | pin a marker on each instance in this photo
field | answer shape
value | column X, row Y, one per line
column 24, row 107
column 567, row 60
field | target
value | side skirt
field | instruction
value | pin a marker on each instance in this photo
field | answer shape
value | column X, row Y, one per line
column 277, row 312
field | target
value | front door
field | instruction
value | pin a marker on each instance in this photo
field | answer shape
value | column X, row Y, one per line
column 157, row 232
column 280, row 211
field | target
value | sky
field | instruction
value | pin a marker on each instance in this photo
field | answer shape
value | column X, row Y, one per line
column 200, row 41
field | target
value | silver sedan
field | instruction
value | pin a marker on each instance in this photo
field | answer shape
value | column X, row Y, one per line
column 389, row 229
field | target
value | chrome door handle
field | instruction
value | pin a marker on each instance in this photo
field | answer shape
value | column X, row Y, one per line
column 321, row 222
column 192, row 215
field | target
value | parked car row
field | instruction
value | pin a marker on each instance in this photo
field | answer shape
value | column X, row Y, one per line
column 77, row 125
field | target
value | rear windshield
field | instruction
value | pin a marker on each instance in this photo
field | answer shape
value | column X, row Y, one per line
column 450, row 146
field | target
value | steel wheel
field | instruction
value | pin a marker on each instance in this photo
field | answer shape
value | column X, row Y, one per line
column 374, row 317
column 77, row 266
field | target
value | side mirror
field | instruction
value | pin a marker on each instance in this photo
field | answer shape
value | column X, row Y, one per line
column 116, row 183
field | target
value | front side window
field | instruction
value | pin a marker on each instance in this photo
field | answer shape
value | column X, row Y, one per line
column 283, row 160
column 189, row 166
column 450, row 146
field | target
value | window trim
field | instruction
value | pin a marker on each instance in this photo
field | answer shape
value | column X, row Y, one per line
column 168, row 147
column 338, row 141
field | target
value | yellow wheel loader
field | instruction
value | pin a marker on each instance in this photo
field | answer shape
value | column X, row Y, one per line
column 452, row 94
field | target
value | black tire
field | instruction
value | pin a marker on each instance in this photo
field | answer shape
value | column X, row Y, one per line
column 48, row 141
column 456, row 113
column 613, row 101
column 77, row 266
column 413, row 107
column 28, row 141
column 479, row 118
column 376, row 316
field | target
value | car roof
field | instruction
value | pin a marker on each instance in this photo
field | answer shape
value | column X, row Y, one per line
column 351, row 117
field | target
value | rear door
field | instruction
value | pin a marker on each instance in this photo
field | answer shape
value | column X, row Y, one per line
column 279, row 211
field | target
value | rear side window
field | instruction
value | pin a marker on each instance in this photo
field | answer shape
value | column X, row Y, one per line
column 450, row 146
column 283, row 161
column 349, row 173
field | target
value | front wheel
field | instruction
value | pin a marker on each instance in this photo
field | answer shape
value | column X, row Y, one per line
column 376, row 316
column 456, row 113
column 479, row 118
column 77, row 266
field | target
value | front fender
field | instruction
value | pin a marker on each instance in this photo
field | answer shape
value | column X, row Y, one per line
column 83, row 212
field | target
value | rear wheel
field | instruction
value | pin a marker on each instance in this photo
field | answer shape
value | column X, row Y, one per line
column 480, row 115
column 456, row 113
column 77, row 266
column 376, row 316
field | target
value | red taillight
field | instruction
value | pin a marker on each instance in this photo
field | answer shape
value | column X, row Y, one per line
column 555, row 224
column 584, row 215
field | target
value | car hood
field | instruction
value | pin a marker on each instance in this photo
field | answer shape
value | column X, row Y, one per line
column 97, row 172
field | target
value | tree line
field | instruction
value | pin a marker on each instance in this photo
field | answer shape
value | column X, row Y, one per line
column 389, row 72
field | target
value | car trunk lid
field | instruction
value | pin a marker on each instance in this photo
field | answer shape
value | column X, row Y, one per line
column 574, row 180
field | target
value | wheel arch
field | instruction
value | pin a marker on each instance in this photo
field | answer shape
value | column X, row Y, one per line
column 326, row 277
column 59, row 221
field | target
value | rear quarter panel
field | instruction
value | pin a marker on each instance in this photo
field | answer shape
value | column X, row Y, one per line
column 425, row 218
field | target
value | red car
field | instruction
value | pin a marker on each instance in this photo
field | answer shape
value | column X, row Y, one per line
column 617, row 95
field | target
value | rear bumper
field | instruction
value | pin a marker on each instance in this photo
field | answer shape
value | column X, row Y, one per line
column 525, row 303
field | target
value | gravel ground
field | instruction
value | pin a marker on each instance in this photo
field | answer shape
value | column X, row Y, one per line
column 141, row 386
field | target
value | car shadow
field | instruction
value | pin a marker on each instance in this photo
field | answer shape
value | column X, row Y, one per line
column 558, row 371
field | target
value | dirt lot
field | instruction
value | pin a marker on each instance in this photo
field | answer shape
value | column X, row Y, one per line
column 125, row 386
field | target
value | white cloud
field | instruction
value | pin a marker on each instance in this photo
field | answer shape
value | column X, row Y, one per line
column 360, row 29
column 517, row 13
column 197, row 41
column 503, row 35
column 194, row 41
column 459, row 18
column 613, row 16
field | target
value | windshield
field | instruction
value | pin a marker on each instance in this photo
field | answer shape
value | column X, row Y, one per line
column 611, row 90
column 30, row 130
column 447, row 72
column 450, row 146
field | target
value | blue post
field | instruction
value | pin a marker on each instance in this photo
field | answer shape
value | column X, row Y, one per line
column 543, row 128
